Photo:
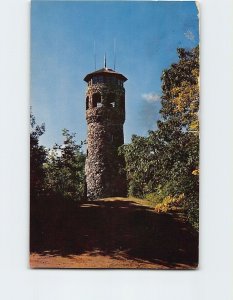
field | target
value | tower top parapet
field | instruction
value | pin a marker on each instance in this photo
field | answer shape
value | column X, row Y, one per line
column 105, row 72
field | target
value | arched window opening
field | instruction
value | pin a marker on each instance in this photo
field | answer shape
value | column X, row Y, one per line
column 87, row 103
column 96, row 100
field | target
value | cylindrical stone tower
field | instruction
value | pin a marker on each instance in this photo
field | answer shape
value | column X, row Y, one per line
column 105, row 115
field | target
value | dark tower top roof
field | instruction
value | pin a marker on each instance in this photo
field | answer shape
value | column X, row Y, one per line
column 105, row 72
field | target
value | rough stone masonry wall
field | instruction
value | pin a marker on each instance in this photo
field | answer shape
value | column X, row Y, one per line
column 104, row 175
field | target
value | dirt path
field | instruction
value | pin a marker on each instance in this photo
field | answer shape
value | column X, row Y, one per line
column 114, row 233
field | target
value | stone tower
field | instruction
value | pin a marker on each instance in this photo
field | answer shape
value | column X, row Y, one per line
column 105, row 115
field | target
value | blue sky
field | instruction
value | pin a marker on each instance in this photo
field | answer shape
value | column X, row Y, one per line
column 62, row 37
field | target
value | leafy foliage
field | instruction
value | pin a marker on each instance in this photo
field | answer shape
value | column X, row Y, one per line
column 37, row 158
column 58, row 171
column 137, row 165
column 57, row 179
column 165, row 164
column 170, row 204
column 65, row 169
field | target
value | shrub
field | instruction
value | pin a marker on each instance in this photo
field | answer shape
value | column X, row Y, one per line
column 170, row 204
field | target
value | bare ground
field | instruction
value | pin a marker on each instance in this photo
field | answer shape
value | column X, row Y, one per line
column 113, row 233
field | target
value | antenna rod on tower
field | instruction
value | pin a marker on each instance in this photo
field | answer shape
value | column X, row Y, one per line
column 105, row 64
column 114, row 68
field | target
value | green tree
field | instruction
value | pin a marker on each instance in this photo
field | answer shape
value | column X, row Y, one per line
column 179, row 129
column 137, row 165
column 166, row 162
column 37, row 158
column 64, row 168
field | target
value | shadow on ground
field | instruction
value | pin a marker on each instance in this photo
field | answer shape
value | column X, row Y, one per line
column 112, row 228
